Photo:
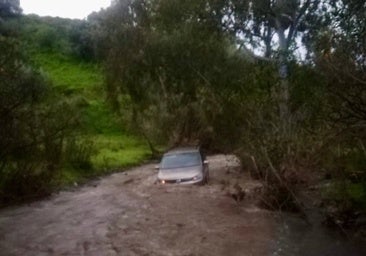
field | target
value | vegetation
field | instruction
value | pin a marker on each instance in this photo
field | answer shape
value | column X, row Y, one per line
column 229, row 75
column 279, row 83
column 56, row 127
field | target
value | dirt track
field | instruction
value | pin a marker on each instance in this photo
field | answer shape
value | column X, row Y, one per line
column 127, row 214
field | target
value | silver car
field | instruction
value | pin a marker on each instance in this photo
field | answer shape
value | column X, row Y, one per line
column 183, row 166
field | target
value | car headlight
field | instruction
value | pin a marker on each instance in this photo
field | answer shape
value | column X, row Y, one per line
column 197, row 177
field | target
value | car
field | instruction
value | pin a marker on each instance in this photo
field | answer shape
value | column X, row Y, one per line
column 183, row 166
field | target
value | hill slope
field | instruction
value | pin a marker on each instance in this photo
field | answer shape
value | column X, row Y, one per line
column 51, row 49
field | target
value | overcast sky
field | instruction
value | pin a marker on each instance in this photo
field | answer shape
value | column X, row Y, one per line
column 74, row 9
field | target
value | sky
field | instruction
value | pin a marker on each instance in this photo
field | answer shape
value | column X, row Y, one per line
column 73, row 9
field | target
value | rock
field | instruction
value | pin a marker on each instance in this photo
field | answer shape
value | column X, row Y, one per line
column 237, row 193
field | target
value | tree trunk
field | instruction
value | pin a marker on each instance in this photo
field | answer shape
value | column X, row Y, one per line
column 283, row 89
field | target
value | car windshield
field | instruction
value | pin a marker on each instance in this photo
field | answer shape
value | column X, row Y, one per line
column 180, row 160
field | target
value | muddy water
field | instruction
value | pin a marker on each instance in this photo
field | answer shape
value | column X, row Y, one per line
column 296, row 237
column 127, row 214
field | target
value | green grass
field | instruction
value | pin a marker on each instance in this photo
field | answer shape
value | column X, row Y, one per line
column 99, row 119
column 74, row 78
column 68, row 73
column 113, row 153
column 113, row 149
column 353, row 192
column 119, row 151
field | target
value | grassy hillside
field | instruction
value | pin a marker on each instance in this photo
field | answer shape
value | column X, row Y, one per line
column 112, row 148
column 50, row 48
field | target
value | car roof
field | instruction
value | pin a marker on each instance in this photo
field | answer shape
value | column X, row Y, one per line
column 181, row 150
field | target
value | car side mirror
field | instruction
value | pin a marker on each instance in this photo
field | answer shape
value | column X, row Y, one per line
column 205, row 162
column 156, row 167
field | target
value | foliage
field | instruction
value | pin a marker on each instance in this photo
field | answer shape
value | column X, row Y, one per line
column 80, row 38
column 70, row 75
column 341, row 57
column 34, row 124
column 339, row 51
column 212, row 72
column 49, row 95
column 78, row 153
column 66, row 37
column 9, row 8
column 118, row 151
column 163, row 66
column 182, row 72
column 223, row 74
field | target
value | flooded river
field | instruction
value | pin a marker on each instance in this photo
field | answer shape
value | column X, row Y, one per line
column 128, row 214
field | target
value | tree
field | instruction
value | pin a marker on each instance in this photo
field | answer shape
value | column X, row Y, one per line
column 162, row 54
column 81, row 41
column 9, row 8
column 179, row 47
column 34, row 124
column 341, row 55
column 267, row 30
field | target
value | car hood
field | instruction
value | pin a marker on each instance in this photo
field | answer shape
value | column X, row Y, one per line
column 179, row 173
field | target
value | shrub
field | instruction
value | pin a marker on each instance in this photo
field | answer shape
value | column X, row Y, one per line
column 78, row 153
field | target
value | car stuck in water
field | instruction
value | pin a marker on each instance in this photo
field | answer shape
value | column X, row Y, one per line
column 183, row 166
